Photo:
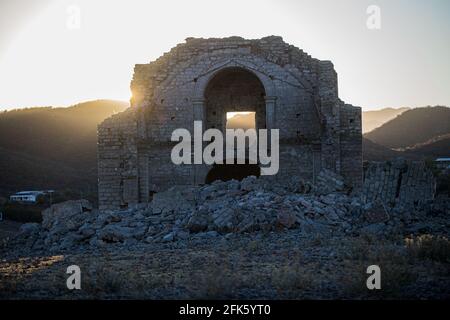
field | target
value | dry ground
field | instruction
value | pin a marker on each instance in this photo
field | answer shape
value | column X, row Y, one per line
column 285, row 265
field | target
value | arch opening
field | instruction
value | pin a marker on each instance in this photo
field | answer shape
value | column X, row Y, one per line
column 234, row 92
column 226, row 172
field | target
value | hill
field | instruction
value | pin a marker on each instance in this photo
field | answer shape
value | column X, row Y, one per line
column 376, row 152
column 242, row 121
column 376, row 118
column 435, row 148
column 52, row 148
column 412, row 127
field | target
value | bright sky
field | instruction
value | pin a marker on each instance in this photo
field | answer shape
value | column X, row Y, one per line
column 46, row 60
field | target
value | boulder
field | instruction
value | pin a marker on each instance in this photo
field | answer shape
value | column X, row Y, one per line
column 249, row 183
column 65, row 216
column 29, row 228
column 286, row 218
column 168, row 237
column 375, row 213
column 198, row 222
column 115, row 233
column 174, row 199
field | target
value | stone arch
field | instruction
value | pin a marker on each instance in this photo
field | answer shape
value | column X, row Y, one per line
column 202, row 80
column 233, row 90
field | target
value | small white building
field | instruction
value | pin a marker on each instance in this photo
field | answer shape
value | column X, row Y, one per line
column 443, row 163
column 28, row 196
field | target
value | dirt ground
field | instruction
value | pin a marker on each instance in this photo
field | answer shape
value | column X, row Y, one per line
column 285, row 265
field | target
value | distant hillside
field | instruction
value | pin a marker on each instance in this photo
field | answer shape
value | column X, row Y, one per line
column 22, row 171
column 436, row 148
column 376, row 118
column 241, row 121
column 48, row 147
column 376, row 152
column 412, row 127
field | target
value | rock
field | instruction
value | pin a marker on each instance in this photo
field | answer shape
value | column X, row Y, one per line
column 375, row 229
column 198, row 222
column 249, row 184
column 174, row 199
column 29, row 228
column 65, row 216
column 86, row 230
column 286, row 219
column 229, row 236
column 69, row 241
column 233, row 185
column 95, row 242
column 375, row 213
column 223, row 219
column 131, row 242
column 206, row 235
column 182, row 235
column 211, row 234
column 114, row 233
column 168, row 237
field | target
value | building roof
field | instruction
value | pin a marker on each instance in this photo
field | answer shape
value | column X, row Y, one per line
column 32, row 193
column 443, row 159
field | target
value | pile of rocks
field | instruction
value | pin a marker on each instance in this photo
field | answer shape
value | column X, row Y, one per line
column 224, row 209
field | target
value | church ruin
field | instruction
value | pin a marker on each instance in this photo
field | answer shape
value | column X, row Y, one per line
column 203, row 79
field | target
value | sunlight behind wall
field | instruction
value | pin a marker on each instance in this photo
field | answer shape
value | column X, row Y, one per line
column 45, row 62
column 241, row 120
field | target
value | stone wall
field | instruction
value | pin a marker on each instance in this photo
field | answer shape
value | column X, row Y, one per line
column 117, row 161
column 400, row 182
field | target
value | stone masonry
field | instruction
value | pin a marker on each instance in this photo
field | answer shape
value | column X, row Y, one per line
column 399, row 182
column 203, row 79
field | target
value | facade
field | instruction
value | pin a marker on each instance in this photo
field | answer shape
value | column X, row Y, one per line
column 203, row 79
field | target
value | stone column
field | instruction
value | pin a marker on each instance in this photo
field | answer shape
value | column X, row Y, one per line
column 270, row 118
column 199, row 109
column 270, row 112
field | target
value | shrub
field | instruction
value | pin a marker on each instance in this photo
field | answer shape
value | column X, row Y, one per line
column 436, row 248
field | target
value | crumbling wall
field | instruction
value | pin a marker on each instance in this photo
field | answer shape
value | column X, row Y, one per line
column 399, row 182
column 118, row 161
column 350, row 142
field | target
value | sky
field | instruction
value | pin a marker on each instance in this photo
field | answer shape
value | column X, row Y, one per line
column 60, row 52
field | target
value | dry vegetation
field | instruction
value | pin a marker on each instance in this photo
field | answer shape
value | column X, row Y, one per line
column 323, row 268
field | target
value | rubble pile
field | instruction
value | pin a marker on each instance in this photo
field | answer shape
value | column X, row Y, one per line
column 225, row 209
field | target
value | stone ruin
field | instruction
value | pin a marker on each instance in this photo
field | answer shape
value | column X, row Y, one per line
column 203, row 79
column 397, row 198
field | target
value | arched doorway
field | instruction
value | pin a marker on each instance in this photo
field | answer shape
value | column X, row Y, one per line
column 234, row 90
